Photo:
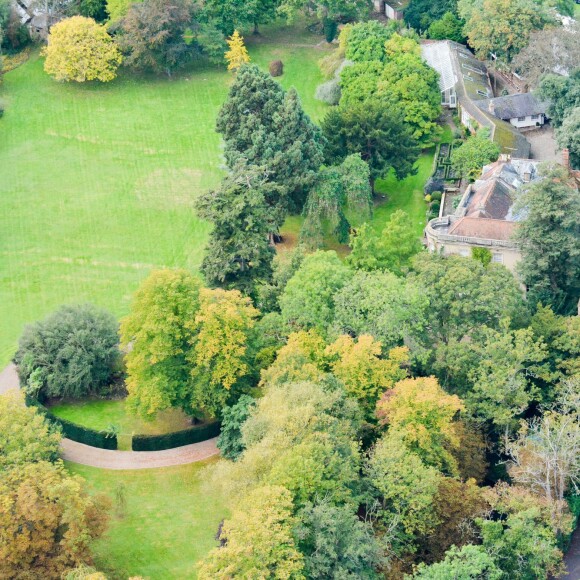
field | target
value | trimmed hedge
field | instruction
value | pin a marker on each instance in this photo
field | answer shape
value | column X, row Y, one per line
column 177, row 439
column 78, row 433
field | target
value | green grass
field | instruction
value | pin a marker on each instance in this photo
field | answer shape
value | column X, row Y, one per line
column 170, row 521
column 100, row 415
column 98, row 181
column 406, row 195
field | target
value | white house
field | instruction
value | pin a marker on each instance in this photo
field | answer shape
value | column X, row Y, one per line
column 522, row 111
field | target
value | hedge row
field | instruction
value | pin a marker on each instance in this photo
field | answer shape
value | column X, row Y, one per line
column 176, row 439
column 78, row 433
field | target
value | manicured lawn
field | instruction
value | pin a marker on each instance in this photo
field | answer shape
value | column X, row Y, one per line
column 406, row 195
column 170, row 521
column 101, row 415
column 98, row 181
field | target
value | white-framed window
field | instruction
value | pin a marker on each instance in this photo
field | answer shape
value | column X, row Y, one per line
column 497, row 258
column 535, row 117
column 521, row 118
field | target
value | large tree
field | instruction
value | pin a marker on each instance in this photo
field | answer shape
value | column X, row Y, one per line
column 244, row 211
column 47, row 521
column 257, row 540
column 81, row 50
column 421, row 13
column 72, row 353
column 308, row 300
column 327, row 10
column 378, row 132
column 549, row 50
column 563, row 94
column 266, row 126
column 236, row 14
column 501, row 27
column 568, row 136
column 163, row 35
column 469, row 159
column 549, row 239
column 161, row 331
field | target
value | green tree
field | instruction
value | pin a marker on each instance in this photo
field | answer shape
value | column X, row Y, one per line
column 81, row 50
column 563, row 94
column 71, row 353
column 391, row 250
column 341, row 197
column 405, row 488
column 243, row 211
column 117, row 9
column 336, row 544
column 505, row 380
column 163, row 35
column 161, row 330
column 230, row 441
column 48, row 521
column 366, row 41
column 568, row 136
column 303, row 436
column 447, row 27
column 464, row 295
column 375, row 130
column 327, row 10
column 470, row 158
column 549, row 239
column 25, row 435
column 308, row 300
column 501, row 27
column 257, row 540
column 468, row 563
column 421, row 13
column 267, row 127
column 390, row 309
column 237, row 14
column 422, row 414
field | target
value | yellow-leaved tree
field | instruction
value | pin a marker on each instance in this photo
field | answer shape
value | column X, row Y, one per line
column 81, row 50
column 237, row 55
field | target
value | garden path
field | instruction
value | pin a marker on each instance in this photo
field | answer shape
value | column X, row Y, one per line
column 107, row 459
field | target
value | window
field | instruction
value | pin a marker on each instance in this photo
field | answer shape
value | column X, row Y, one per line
column 535, row 117
column 521, row 118
column 482, row 93
column 497, row 258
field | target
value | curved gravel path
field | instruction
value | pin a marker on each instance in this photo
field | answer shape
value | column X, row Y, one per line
column 107, row 459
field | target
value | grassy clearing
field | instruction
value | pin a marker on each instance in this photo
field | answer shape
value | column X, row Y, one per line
column 98, row 180
column 101, row 415
column 170, row 521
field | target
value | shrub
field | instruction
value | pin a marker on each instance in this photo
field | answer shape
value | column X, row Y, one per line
column 328, row 92
column 71, row 353
column 330, row 28
column 428, row 198
column 436, row 196
column 176, row 439
column 435, row 207
column 276, row 68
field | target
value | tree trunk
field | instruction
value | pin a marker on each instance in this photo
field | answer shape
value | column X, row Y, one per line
column 256, row 31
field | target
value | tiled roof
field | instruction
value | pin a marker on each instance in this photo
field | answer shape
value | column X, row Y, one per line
column 513, row 106
column 482, row 228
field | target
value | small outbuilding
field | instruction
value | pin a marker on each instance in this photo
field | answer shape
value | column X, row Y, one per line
column 522, row 111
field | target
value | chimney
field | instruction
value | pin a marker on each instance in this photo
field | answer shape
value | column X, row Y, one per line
column 566, row 158
column 492, row 107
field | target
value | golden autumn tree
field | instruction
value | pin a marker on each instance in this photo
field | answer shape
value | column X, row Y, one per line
column 358, row 364
column 237, row 55
column 423, row 414
column 47, row 521
column 224, row 321
column 81, row 50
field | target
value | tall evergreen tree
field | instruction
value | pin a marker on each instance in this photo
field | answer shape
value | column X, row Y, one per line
column 268, row 128
column 239, row 255
column 549, row 238
column 377, row 131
